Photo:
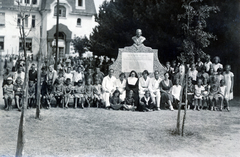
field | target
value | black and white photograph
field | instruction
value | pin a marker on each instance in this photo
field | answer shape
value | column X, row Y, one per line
column 120, row 78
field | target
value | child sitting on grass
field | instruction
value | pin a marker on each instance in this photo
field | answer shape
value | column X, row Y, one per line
column 18, row 92
column 146, row 102
column 129, row 102
column 115, row 101
column 79, row 92
column 8, row 93
column 58, row 93
column 68, row 91
column 89, row 92
column 97, row 92
column 31, row 94
column 198, row 95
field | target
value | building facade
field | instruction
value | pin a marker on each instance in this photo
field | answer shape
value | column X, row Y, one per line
column 76, row 18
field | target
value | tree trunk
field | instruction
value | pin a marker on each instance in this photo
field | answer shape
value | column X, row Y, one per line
column 38, row 84
column 179, row 113
column 186, row 103
column 21, row 129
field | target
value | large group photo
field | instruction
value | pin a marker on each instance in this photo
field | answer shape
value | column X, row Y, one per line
column 119, row 78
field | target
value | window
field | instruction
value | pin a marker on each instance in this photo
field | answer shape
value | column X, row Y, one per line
column 80, row 3
column 28, row 42
column 61, row 11
column 2, row 19
column 19, row 20
column 27, row 1
column 33, row 21
column 1, row 43
column 26, row 21
column 79, row 22
column 34, row 1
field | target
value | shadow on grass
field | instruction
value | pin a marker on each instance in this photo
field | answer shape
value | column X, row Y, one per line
column 187, row 133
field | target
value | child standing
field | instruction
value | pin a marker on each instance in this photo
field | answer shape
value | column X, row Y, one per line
column 190, row 93
column 146, row 102
column 58, row 92
column 213, row 94
column 115, row 101
column 89, row 92
column 79, row 92
column 176, row 92
column 18, row 91
column 97, row 92
column 229, row 81
column 205, row 98
column 31, row 93
column 198, row 95
column 129, row 102
column 8, row 93
column 49, row 93
column 219, row 75
column 193, row 73
column 61, row 77
column 68, row 91
column 222, row 93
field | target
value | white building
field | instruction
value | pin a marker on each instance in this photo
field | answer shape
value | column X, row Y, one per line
column 76, row 18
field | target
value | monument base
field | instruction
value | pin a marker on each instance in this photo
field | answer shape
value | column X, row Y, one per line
column 138, row 58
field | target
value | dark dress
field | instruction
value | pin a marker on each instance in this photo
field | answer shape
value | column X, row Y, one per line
column 135, row 90
column 147, row 104
column 166, row 96
column 115, row 103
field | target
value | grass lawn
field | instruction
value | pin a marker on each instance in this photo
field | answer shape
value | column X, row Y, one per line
column 99, row 132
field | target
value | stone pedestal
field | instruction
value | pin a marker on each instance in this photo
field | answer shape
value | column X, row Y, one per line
column 138, row 58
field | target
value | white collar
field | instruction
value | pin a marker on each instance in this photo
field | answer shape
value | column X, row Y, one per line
column 132, row 80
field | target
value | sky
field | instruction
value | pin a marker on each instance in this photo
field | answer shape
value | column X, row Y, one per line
column 98, row 3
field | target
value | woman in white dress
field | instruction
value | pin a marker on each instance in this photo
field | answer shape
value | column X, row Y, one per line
column 144, row 82
column 229, row 82
column 121, row 86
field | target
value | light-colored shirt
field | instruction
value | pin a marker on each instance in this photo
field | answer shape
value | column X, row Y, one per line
column 16, row 74
column 143, row 84
column 176, row 90
column 108, row 84
column 208, row 65
column 68, row 75
column 216, row 66
column 193, row 74
column 120, row 85
column 154, row 84
column 77, row 76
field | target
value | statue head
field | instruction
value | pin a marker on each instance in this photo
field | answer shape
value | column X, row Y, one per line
column 138, row 32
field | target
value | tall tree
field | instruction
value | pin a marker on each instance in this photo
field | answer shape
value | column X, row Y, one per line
column 81, row 44
column 23, row 12
column 119, row 19
column 195, row 37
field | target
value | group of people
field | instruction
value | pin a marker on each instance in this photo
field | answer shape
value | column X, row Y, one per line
column 89, row 83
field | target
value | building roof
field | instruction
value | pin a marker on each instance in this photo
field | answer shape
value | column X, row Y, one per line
column 89, row 6
column 45, row 5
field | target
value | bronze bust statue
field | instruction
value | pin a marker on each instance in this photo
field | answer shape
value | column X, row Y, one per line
column 138, row 39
